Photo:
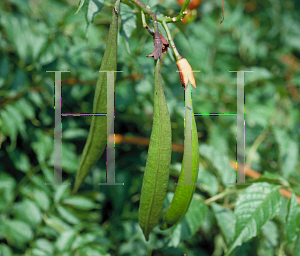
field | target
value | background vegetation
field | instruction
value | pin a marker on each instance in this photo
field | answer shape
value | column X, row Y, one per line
column 38, row 36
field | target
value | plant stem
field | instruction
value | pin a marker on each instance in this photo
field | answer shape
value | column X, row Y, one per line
column 219, row 196
column 255, row 146
column 184, row 7
column 172, row 44
column 143, row 19
column 152, row 14
column 160, row 18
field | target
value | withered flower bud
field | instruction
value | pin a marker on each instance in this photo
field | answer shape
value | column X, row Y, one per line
column 185, row 72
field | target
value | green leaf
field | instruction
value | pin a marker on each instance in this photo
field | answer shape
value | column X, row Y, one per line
column 67, row 215
column 57, row 224
column 292, row 226
column 94, row 7
column 18, row 232
column 272, row 178
column 74, row 134
column 83, row 239
column 209, row 182
column 61, row 192
column 15, row 27
column 21, row 160
column 79, row 6
column 5, row 250
column 187, row 227
column 70, row 161
column 80, row 203
column 220, row 161
column 270, row 231
column 29, row 212
column 18, row 120
column 254, row 207
column 297, row 246
column 43, row 145
column 65, row 240
column 25, row 108
column 226, row 221
column 7, row 186
column 37, row 252
column 44, row 245
column 288, row 151
column 196, row 214
column 42, row 199
column 128, row 19
column 258, row 74
column 8, row 127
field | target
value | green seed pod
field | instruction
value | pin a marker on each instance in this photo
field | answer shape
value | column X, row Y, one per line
column 183, row 193
column 96, row 141
column 156, row 174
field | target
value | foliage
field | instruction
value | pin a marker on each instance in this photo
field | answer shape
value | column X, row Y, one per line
column 40, row 36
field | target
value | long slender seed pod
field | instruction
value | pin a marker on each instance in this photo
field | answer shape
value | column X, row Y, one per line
column 156, row 174
column 183, row 193
column 96, row 141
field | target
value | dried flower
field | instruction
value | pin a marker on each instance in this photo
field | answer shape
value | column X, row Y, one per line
column 185, row 72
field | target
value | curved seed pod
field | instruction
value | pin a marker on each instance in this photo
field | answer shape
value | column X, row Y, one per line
column 156, row 174
column 185, row 72
column 183, row 193
column 96, row 141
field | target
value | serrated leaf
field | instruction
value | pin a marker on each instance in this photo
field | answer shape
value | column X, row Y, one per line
column 292, row 228
column 254, row 207
column 226, row 221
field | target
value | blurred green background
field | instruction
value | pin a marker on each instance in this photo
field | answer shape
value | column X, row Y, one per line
column 38, row 36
